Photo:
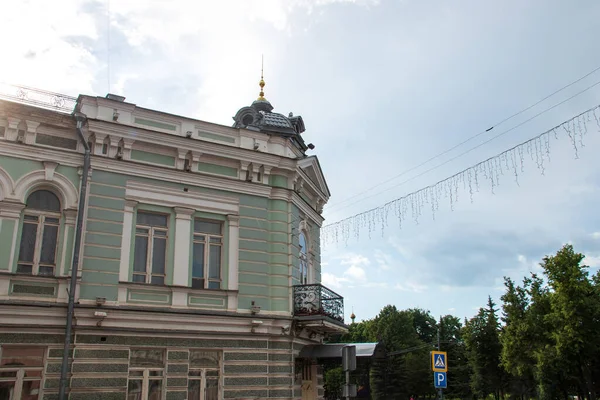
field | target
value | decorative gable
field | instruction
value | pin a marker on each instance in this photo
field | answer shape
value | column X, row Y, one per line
column 311, row 167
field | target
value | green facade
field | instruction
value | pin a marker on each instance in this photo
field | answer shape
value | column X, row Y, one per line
column 268, row 244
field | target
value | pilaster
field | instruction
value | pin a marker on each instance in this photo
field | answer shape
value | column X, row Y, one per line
column 234, row 245
column 126, row 239
column 183, row 227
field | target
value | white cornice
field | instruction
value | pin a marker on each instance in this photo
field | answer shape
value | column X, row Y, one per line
column 175, row 141
column 165, row 196
column 132, row 168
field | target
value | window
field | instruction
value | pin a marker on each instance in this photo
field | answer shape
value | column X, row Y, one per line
column 21, row 372
column 39, row 236
column 146, row 374
column 150, row 254
column 203, row 380
column 208, row 246
column 303, row 259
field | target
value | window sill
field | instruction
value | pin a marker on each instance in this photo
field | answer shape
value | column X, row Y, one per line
column 177, row 296
column 37, row 278
column 188, row 289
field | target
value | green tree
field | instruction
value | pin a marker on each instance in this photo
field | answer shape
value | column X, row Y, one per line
column 458, row 366
column 573, row 317
column 483, row 352
column 518, row 341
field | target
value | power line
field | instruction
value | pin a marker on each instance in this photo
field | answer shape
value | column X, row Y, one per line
column 467, row 140
column 510, row 161
column 469, row 150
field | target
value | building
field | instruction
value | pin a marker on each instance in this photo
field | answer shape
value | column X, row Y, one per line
column 198, row 259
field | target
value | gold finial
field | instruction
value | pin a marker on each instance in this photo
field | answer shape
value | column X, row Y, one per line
column 261, row 95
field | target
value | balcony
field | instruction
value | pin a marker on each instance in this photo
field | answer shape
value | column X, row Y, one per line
column 316, row 302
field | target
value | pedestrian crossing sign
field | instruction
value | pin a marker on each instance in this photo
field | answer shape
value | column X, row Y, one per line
column 439, row 361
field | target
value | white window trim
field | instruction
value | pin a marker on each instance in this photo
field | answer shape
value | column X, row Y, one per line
column 20, row 378
column 310, row 275
column 184, row 204
column 146, row 380
column 202, row 379
column 148, row 274
column 41, row 215
column 207, row 245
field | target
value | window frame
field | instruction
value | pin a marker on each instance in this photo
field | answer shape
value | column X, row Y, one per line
column 146, row 378
column 150, row 236
column 203, row 377
column 207, row 246
column 303, row 264
column 20, row 377
column 41, row 225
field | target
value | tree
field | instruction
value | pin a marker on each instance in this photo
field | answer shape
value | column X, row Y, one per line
column 458, row 365
column 573, row 317
column 518, row 340
column 483, row 351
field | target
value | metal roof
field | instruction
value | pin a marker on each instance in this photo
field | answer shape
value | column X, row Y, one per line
column 334, row 350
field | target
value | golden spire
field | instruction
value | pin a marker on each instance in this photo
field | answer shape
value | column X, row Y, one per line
column 261, row 95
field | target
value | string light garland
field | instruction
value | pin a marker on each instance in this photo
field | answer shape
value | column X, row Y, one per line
column 469, row 180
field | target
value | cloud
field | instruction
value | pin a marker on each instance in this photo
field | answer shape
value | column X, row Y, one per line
column 592, row 261
column 383, row 260
column 356, row 273
column 332, row 281
column 410, row 287
column 46, row 46
column 596, row 235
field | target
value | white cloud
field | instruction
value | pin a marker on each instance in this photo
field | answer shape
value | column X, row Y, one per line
column 384, row 260
column 356, row 273
column 354, row 259
column 332, row 281
column 38, row 50
column 596, row 235
column 592, row 261
column 410, row 287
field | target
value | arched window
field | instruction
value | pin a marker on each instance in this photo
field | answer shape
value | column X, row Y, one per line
column 303, row 259
column 39, row 236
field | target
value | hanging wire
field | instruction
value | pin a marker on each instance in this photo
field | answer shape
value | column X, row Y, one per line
column 470, row 138
column 537, row 148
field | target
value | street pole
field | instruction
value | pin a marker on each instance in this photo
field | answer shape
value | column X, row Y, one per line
column 438, row 347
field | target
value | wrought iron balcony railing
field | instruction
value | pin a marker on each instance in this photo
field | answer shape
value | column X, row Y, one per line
column 316, row 299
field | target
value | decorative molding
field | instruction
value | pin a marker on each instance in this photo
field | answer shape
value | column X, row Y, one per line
column 70, row 216
column 11, row 210
column 31, row 131
column 176, row 141
column 6, row 184
column 184, row 213
column 130, row 205
column 103, row 163
column 37, row 179
column 38, row 98
column 164, row 196
column 49, row 168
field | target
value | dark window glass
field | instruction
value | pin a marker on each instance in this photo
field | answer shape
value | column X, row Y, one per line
column 43, row 200
column 140, row 254
column 150, row 219
column 207, row 227
column 27, row 247
column 49, row 240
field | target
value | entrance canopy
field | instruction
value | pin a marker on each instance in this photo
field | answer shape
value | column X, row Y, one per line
column 334, row 350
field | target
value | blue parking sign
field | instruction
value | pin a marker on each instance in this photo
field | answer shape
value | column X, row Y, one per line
column 439, row 380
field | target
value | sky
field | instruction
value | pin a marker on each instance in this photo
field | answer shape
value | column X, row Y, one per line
column 383, row 86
